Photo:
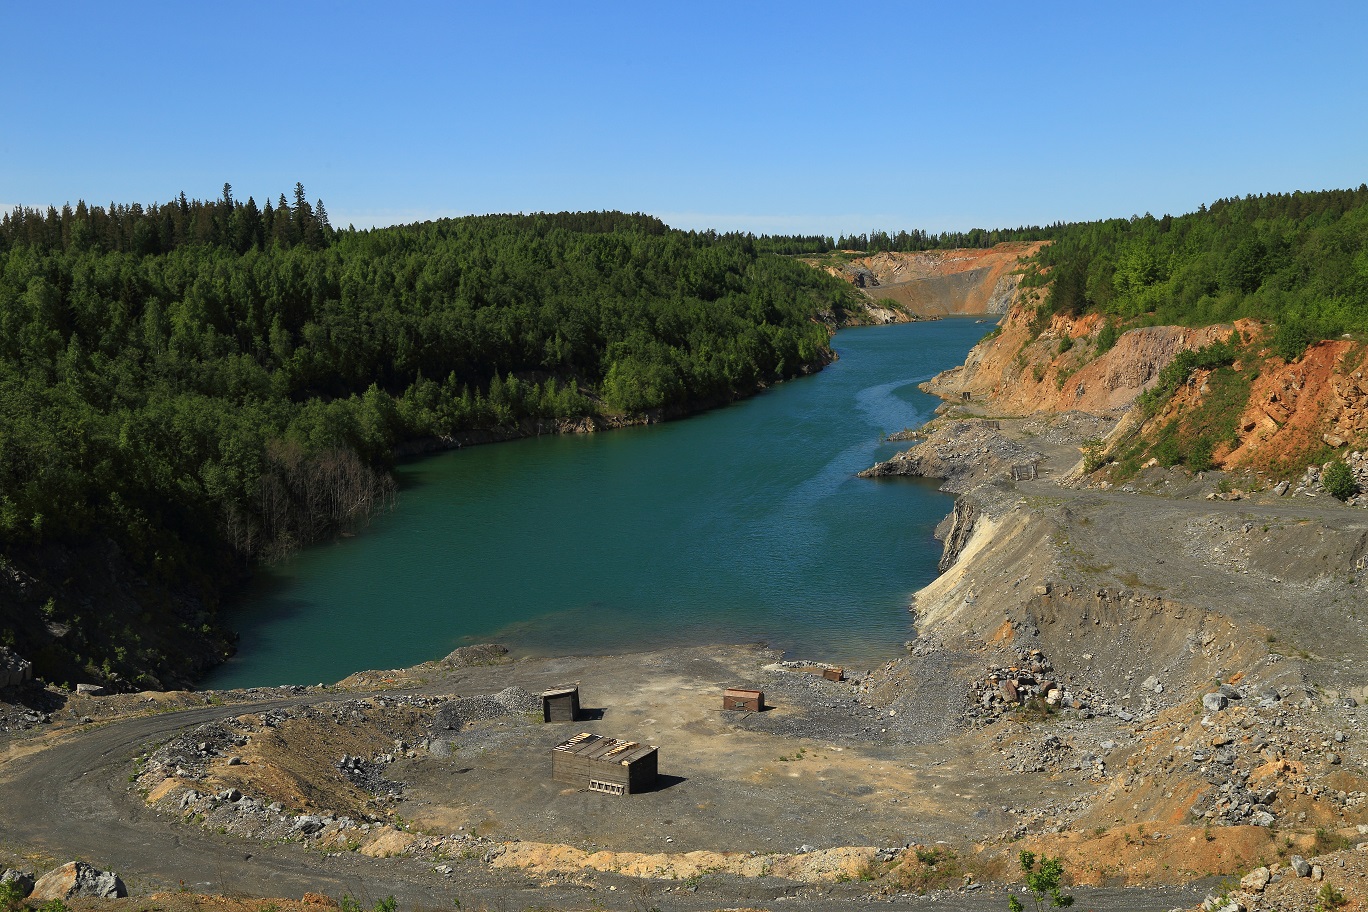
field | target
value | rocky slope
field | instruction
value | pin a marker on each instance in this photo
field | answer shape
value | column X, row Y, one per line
column 1024, row 368
column 899, row 287
column 1292, row 414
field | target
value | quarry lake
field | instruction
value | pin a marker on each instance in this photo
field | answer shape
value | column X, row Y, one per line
column 742, row 524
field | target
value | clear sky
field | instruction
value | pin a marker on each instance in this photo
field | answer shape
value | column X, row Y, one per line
column 770, row 117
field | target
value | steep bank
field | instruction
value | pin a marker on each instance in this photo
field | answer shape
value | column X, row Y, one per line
column 1065, row 364
column 897, row 287
column 1199, row 661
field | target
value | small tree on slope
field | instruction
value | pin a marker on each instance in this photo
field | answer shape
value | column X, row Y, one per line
column 1043, row 884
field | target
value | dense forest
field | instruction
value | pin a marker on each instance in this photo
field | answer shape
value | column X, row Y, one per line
column 1298, row 261
column 196, row 385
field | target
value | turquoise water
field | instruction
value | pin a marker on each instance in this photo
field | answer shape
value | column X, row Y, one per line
column 739, row 525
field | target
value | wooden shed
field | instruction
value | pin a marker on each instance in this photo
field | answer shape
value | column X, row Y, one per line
column 607, row 765
column 742, row 699
column 561, row 704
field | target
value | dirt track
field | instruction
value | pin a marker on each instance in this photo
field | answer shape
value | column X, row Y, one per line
column 68, row 797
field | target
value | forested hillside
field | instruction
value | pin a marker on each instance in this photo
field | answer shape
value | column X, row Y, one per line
column 1298, row 261
column 1145, row 310
column 188, row 387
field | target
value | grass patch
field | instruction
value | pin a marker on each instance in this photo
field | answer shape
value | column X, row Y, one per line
column 1193, row 437
column 928, row 868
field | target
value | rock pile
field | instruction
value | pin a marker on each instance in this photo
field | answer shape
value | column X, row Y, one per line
column 962, row 453
column 14, row 668
column 369, row 775
column 458, row 714
column 1030, row 681
column 484, row 654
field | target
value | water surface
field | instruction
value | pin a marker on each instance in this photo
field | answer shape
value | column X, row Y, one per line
column 742, row 524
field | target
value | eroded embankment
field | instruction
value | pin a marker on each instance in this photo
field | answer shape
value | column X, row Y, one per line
column 1230, row 669
column 898, row 287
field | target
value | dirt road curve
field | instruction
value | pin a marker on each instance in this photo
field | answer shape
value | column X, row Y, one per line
column 72, row 800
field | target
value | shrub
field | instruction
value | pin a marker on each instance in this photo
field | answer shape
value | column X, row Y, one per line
column 1043, row 884
column 1106, row 339
column 11, row 896
column 1339, row 481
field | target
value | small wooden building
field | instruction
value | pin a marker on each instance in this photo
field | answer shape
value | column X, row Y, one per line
column 607, row 765
column 742, row 699
column 834, row 674
column 561, row 704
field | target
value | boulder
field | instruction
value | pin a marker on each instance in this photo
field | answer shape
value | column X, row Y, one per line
column 1214, row 702
column 90, row 690
column 1300, row 866
column 14, row 668
column 308, row 824
column 1255, row 880
column 23, row 878
column 76, row 878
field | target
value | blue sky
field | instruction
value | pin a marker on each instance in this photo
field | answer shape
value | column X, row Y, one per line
column 769, row 117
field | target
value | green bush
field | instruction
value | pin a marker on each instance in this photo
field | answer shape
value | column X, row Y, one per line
column 1106, row 339
column 1043, row 884
column 1339, row 482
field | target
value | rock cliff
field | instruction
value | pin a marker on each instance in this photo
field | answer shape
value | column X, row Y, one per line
column 1062, row 367
column 900, row 287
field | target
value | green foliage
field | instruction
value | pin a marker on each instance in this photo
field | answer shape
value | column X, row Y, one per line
column 203, row 396
column 11, row 896
column 1094, row 454
column 1192, row 438
column 1107, row 336
column 936, row 867
column 1329, row 898
column 1177, row 371
column 349, row 903
column 917, row 239
column 1043, row 884
column 1297, row 260
column 1338, row 480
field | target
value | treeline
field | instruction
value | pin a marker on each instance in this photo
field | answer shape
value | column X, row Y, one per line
column 203, row 384
column 917, row 239
column 161, row 228
column 1296, row 260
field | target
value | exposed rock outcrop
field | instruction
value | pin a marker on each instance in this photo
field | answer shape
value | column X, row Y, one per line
column 937, row 283
column 955, row 531
column 964, row 453
column 23, row 879
column 1060, row 369
column 76, row 878
column 14, row 668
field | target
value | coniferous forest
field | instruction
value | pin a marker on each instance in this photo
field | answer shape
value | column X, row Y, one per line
column 189, row 387
column 1295, row 261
